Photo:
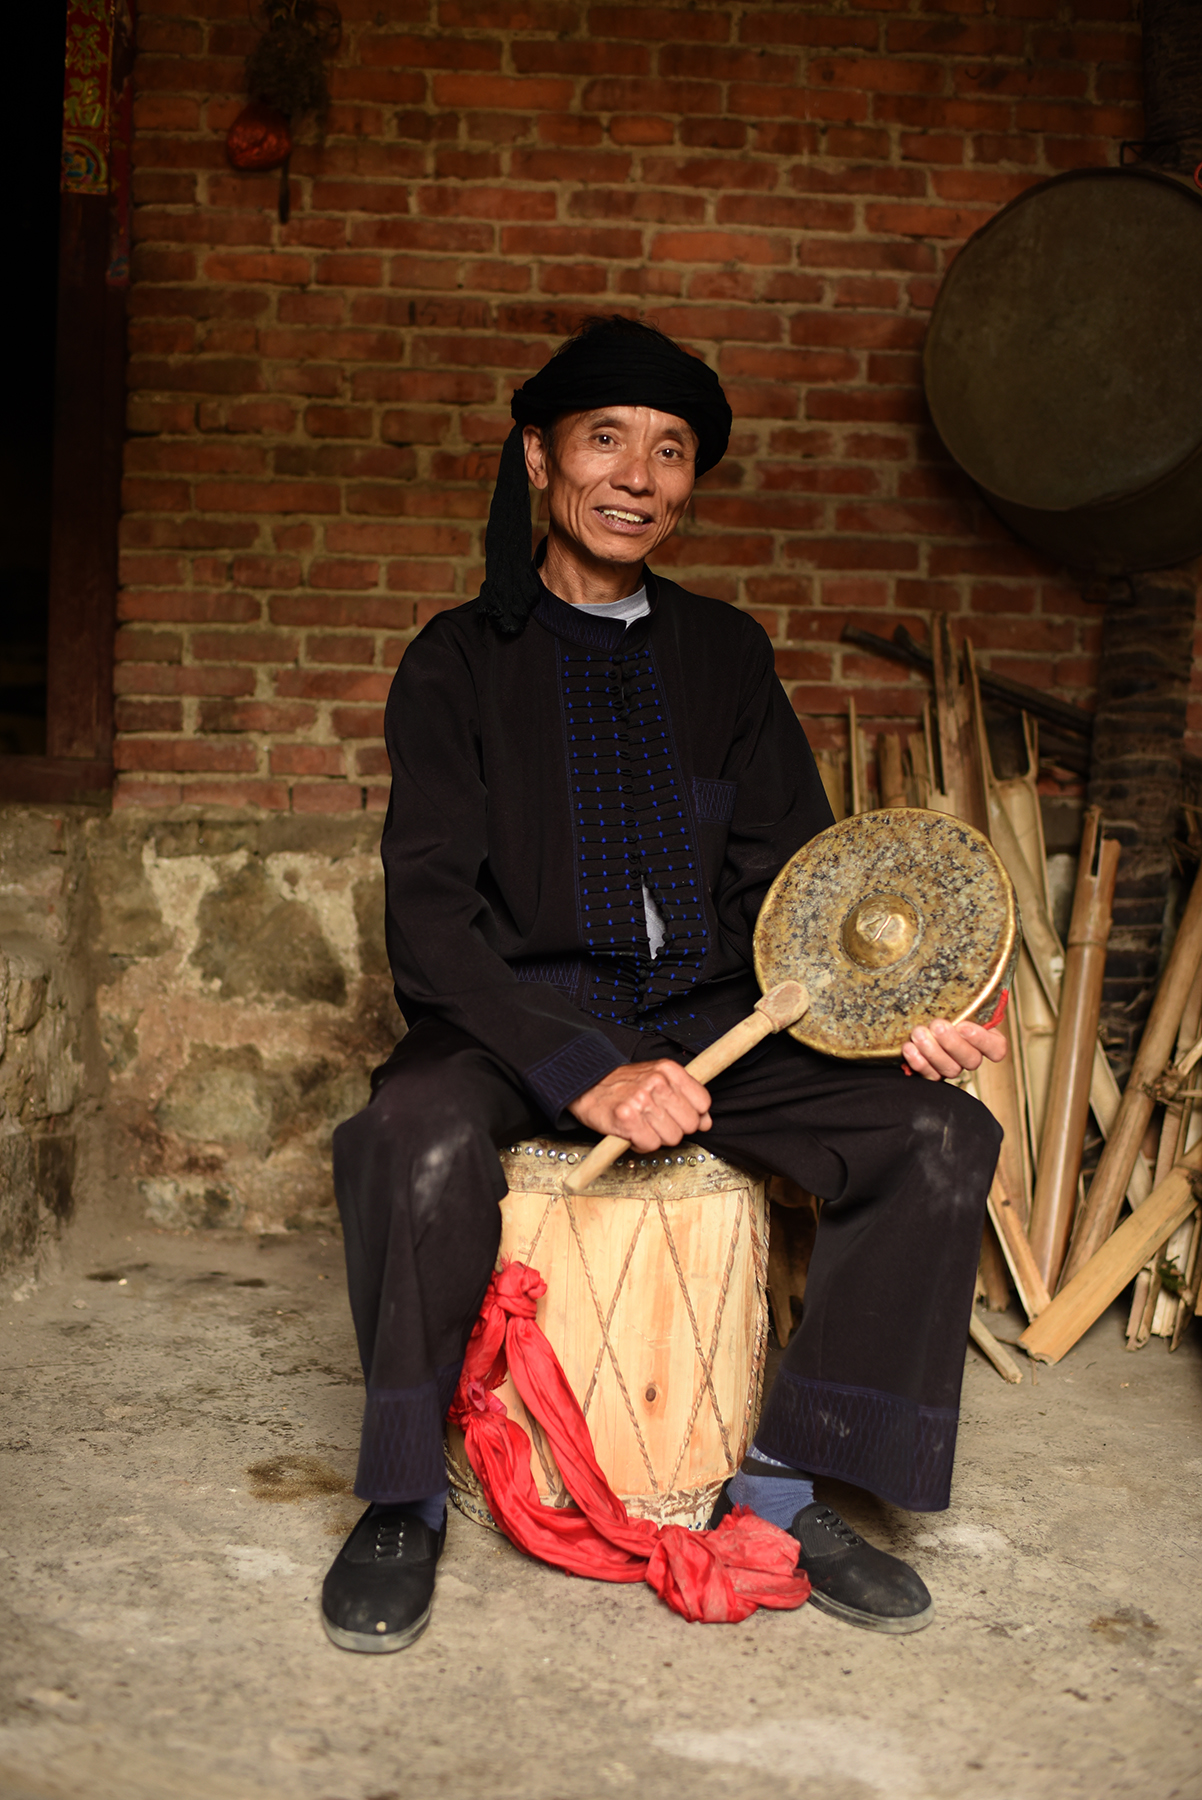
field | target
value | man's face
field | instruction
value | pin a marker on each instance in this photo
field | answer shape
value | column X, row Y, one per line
column 617, row 480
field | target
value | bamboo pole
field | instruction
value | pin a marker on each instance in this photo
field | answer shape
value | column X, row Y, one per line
column 779, row 1283
column 1035, row 1013
column 962, row 757
column 952, row 724
column 830, row 772
column 1036, row 1019
column 1042, row 945
column 1035, row 1023
column 1139, row 1307
column 1097, row 1218
column 1072, row 1062
column 1176, row 1135
column 1019, row 795
column 1047, row 958
column 1152, row 1286
column 993, row 1272
column 1029, row 1283
column 1187, row 1301
column 997, row 1084
column 1175, row 1257
column 989, row 1346
column 889, row 765
column 1039, row 934
column 1085, row 1297
column 859, row 787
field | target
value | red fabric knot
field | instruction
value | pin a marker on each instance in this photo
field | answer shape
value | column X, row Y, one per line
column 516, row 1289
column 714, row 1577
column 479, row 1399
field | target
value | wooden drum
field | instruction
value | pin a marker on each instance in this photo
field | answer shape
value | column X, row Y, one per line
column 656, row 1308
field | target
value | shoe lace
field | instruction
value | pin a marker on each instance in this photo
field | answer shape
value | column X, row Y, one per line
column 389, row 1542
column 830, row 1521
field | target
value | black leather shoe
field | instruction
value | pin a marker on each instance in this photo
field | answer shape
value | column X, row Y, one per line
column 855, row 1581
column 849, row 1578
column 378, row 1594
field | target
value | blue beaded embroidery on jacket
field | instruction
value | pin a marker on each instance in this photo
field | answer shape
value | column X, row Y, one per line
column 632, row 824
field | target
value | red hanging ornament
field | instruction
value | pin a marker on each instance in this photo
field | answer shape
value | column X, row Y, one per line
column 259, row 138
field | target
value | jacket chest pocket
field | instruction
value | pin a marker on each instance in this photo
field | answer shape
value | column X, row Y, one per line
column 714, row 801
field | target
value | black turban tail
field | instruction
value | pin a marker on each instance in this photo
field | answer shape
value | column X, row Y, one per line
column 612, row 362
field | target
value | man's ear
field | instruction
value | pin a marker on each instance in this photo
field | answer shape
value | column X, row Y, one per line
column 536, row 456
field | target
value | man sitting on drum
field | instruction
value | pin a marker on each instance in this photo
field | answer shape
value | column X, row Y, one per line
column 596, row 776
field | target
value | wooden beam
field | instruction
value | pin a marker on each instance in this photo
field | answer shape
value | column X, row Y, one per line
column 56, row 780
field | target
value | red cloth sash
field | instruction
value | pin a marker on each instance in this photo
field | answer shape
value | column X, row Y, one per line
column 715, row 1577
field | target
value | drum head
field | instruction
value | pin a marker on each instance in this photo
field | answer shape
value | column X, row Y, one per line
column 891, row 919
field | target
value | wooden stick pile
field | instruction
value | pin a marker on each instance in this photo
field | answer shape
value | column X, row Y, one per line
column 1061, row 1246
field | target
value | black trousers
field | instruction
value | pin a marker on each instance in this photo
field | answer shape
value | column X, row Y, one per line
column 869, row 1386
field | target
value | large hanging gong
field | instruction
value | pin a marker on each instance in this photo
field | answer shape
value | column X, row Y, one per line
column 1063, row 367
column 890, row 919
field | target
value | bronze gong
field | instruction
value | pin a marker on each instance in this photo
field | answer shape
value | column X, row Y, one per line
column 890, row 919
column 883, row 922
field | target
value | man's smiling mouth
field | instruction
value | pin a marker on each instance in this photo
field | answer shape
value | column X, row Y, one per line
column 626, row 518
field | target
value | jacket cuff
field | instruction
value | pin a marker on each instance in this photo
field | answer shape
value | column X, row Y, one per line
column 569, row 1071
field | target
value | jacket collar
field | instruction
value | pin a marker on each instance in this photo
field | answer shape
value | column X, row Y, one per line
column 587, row 629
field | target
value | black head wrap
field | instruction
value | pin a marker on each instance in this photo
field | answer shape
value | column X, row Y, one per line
column 610, row 362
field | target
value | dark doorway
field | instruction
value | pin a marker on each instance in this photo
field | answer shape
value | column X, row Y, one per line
column 37, row 41
column 63, row 425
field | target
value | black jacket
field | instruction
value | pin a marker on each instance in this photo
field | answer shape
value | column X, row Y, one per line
column 538, row 782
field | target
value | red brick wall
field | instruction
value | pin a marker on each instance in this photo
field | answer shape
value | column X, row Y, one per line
column 315, row 408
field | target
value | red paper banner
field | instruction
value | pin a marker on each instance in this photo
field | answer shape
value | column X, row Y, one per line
column 87, row 82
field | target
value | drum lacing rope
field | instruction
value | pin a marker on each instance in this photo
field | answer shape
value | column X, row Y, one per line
column 604, row 1323
column 707, row 1363
column 759, row 1252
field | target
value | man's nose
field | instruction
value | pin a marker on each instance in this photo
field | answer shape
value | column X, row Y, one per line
column 636, row 473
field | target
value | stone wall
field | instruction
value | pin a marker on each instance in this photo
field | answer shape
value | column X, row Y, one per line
column 189, row 1003
column 242, row 997
column 51, row 1074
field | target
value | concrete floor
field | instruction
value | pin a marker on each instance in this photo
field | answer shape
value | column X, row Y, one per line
column 181, row 1416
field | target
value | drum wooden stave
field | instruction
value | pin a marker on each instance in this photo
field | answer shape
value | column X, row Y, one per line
column 656, row 1307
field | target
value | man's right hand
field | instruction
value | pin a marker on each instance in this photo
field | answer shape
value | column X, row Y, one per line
column 650, row 1104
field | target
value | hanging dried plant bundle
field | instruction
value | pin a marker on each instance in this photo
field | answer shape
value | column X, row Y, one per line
column 286, row 68
column 285, row 76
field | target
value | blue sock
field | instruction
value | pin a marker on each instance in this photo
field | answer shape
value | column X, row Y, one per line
column 775, row 1497
column 431, row 1511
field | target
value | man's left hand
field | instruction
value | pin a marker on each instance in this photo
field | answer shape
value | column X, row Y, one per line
column 939, row 1050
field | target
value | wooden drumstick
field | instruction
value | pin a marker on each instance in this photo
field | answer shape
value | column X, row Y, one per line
column 779, row 1008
